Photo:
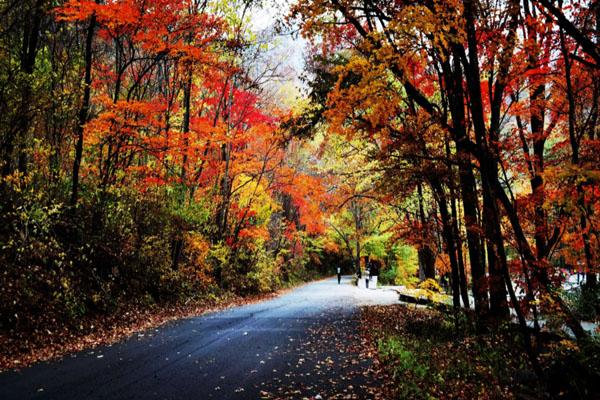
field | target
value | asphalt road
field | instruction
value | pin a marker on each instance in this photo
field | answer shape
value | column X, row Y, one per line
column 304, row 344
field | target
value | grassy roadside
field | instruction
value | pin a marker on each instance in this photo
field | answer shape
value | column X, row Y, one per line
column 20, row 351
column 423, row 355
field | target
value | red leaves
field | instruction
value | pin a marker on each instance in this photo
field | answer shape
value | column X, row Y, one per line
column 76, row 10
column 254, row 232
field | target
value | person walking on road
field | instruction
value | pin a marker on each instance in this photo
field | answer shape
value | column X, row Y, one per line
column 339, row 274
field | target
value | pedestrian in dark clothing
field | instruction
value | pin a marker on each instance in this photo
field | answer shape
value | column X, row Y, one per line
column 339, row 274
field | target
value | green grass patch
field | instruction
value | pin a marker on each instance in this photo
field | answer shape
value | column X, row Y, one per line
column 426, row 355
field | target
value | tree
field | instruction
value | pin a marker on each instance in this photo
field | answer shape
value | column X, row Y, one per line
column 455, row 66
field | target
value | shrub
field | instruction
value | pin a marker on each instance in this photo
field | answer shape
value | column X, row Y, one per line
column 388, row 276
column 406, row 367
column 196, row 269
column 585, row 302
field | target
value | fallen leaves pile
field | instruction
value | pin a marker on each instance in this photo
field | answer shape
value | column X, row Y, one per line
column 332, row 362
column 423, row 355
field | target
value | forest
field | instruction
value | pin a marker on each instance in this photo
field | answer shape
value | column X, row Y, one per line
column 156, row 155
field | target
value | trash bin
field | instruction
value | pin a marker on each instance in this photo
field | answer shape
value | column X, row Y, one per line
column 373, row 282
column 361, row 283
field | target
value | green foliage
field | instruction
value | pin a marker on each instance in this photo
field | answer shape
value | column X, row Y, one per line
column 388, row 276
column 121, row 247
column 585, row 302
column 376, row 245
column 116, row 248
column 406, row 367
column 408, row 265
column 403, row 269
column 428, row 356
column 249, row 270
column 263, row 276
column 37, row 272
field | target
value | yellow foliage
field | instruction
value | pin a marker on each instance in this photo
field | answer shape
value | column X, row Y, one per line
column 196, row 267
column 253, row 195
column 430, row 285
column 331, row 247
column 428, row 289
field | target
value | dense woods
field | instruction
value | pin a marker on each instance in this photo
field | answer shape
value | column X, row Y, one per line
column 148, row 157
column 480, row 119
column 142, row 161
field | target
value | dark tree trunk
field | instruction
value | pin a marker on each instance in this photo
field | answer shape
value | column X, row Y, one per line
column 468, row 188
column 357, row 259
column 474, row 240
column 176, row 251
column 426, row 263
column 425, row 255
column 225, row 191
column 536, row 122
column 450, row 244
column 488, row 168
column 15, row 139
column 456, row 232
column 574, row 140
column 459, row 254
column 591, row 279
column 84, row 110
column 185, row 127
column 496, row 256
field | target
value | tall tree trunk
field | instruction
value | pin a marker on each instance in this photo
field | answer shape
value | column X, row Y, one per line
column 456, row 232
column 425, row 255
column 450, row 244
column 494, row 244
column 575, row 140
column 185, row 127
column 488, row 168
column 16, row 137
column 185, row 130
column 592, row 276
column 357, row 259
column 538, row 134
column 468, row 188
column 84, row 110
column 459, row 251
column 225, row 187
column 225, row 191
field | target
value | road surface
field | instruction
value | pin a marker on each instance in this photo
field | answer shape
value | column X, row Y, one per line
column 303, row 344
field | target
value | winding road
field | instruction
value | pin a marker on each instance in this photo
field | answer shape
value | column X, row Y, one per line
column 303, row 344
